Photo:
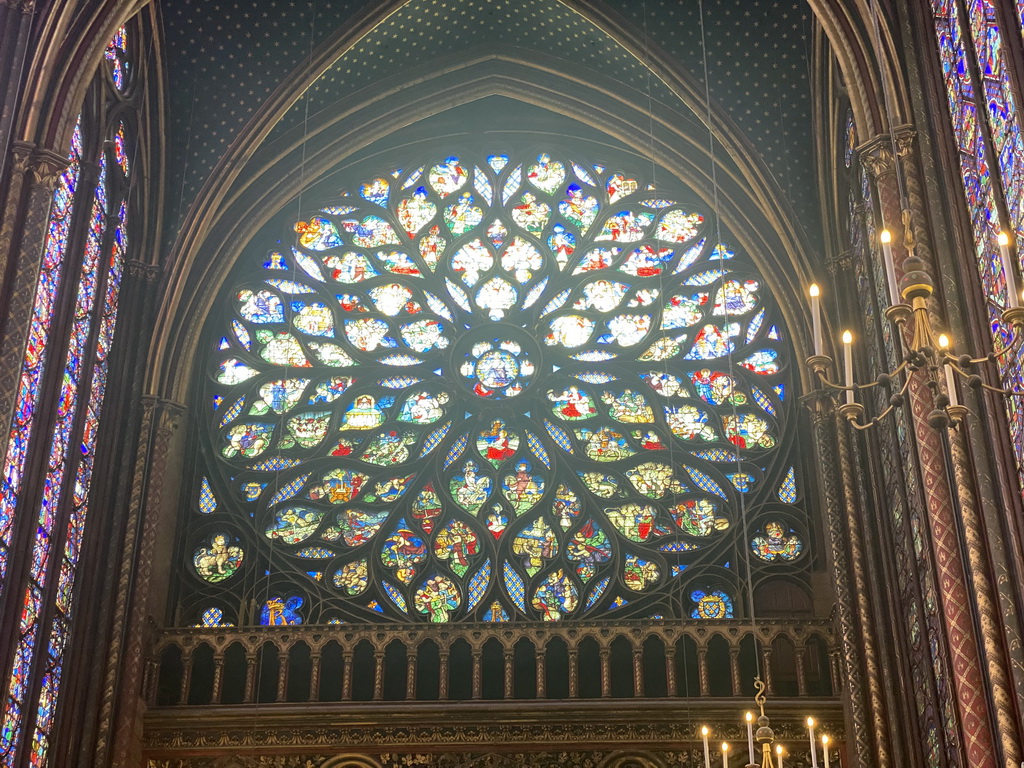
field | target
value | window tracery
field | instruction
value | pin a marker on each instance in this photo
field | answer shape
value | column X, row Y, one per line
column 986, row 124
column 491, row 389
column 94, row 206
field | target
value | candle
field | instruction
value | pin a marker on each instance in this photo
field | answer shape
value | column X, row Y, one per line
column 848, row 361
column 1013, row 300
column 890, row 267
column 725, row 755
column 816, row 326
column 824, row 748
column 750, row 736
column 814, row 749
column 778, row 752
column 707, row 753
column 950, row 377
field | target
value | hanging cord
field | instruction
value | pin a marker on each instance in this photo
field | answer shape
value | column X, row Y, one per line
column 288, row 312
column 675, row 596
column 887, row 103
column 730, row 365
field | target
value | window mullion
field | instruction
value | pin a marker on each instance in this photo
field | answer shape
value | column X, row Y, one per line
column 983, row 125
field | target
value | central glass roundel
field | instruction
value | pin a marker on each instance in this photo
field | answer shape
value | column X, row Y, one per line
column 496, row 369
column 481, row 389
column 499, row 365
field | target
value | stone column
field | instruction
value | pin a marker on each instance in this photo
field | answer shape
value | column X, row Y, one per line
column 963, row 646
column 158, row 457
column 984, row 594
column 861, row 751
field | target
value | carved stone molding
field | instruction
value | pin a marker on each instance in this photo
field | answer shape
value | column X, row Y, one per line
column 692, row 758
column 314, row 728
column 141, row 271
column 840, row 261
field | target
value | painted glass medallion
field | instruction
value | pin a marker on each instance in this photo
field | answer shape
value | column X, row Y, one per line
column 219, row 558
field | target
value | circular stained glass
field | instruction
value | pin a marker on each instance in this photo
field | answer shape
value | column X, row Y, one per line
column 489, row 388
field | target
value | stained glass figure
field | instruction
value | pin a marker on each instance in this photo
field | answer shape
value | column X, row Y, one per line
column 777, row 542
column 456, row 543
column 986, row 123
column 219, row 559
column 498, row 389
column 437, row 598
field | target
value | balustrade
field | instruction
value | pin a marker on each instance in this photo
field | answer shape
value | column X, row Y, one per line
column 642, row 660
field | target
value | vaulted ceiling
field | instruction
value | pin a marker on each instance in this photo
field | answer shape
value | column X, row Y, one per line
column 226, row 58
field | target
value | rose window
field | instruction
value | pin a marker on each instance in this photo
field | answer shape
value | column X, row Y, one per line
column 489, row 389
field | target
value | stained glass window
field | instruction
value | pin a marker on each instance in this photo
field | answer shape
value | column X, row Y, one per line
column 116, row 56
column 37, row 348
column 493, row 388
column 90, row 269
column 985, row 119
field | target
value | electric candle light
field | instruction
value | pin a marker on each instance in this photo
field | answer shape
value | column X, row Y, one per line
column 815, row 320
column 848, row 361
column 1012, row 298
column 725, row 755
column 890, row 267
column 950, row 378
column 810, row 728
column 824, row 747
column 750, row 736
column 778, row 753
column 707, row 753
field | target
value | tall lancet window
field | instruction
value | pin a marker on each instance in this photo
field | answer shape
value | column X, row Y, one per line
column 986, row 125
column 80, row 279
column 494, row 388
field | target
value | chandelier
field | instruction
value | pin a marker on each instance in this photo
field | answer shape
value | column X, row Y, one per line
column 925, row 352
column 772, row 754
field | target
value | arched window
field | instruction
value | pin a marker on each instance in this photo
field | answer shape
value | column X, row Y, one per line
column 80, row 278
column 489, row 388
column 986, row 127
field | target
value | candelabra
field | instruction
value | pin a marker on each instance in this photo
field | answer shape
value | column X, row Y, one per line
column 772, row 754
column 928, row 354
column 926, row 351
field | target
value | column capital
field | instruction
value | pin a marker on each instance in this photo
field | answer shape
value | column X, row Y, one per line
column 21, row 153
column 839, row 261
column 46, row 166
column 876, row 152
column 141, row 271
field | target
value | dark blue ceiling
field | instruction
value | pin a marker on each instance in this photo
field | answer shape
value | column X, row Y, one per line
column 226, row 58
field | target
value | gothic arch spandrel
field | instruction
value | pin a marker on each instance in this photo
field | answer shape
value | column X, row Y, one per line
column 751, row 200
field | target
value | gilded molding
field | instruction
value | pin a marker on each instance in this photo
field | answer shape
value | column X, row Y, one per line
column 588, row 759
column 169, row 735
